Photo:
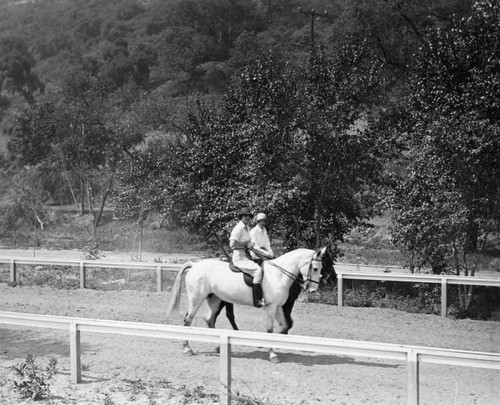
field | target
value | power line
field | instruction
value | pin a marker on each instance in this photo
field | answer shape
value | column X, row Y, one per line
column 312, row 16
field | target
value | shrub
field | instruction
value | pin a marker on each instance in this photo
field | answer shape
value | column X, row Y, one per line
column 419, row 298
column 31, row 380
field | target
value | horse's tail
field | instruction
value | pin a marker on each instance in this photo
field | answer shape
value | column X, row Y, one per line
column 176, row 290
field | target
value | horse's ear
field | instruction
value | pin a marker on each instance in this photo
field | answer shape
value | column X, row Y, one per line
column 320, row 253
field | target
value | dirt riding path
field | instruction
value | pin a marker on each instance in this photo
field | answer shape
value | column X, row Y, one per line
column 137, row 370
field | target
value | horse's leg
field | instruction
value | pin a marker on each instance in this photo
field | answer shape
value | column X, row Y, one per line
column 230, row 315
column 193, row 307
column 293, row 294
column 282, row 322
column 215, row 308
column 215, row 305
column 287, row 313
column 272, row 311
column 284, row 316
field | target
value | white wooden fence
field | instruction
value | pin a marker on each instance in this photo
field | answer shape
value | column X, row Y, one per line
column 413, row 356
column 415, row 278
column 83, row 265
column 342, row 275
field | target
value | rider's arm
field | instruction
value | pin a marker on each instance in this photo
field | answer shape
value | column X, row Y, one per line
column 235, row 241
column 262, row 245
column 234, row 244
column 263, row 252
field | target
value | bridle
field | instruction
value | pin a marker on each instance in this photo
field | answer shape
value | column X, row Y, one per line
column 289, row 274
column 309, row 271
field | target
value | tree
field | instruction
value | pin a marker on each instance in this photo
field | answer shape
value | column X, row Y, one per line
column 394, row 30
column 16, row 63
column 68, row 133
column 448, row 203
column 25, row 204
column 334, row 115
column 281, row 142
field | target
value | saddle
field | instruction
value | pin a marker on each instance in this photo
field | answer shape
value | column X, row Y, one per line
column 257, row 293
column 247, row 278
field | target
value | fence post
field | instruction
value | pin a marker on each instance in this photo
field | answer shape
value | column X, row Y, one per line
column 340, row 290
column 412, row 367
column 75, row 353
column 225, row 369
column 159, row 278
column 13, row 272
column 444, row 295
column 83, row 274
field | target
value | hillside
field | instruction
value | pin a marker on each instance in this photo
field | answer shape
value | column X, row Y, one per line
column 195, row 108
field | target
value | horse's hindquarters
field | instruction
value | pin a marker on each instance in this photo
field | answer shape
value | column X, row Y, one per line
column 214, row 277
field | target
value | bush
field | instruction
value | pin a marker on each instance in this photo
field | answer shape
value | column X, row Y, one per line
column 416, row 298
column 63, row 277
column 31, row 381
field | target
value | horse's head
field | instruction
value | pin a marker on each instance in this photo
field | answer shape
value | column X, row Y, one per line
column 328, row 274
column 312, row 274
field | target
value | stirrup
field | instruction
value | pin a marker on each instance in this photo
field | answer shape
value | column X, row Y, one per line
column 262, row 303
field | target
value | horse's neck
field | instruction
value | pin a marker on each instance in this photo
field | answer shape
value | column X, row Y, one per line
column 294, row 260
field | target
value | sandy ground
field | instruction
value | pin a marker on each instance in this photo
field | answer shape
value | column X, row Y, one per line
column 122, row 370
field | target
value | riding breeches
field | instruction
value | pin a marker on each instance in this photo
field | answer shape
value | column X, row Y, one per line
column 249, row 267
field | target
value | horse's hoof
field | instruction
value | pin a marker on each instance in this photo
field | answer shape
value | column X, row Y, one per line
column 273, row 358
column 188, row 352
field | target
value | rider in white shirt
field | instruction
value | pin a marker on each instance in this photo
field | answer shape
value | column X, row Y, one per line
column 260, row 238
column 240, row 241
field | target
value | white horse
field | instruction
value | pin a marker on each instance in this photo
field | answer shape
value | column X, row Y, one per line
column 213, row 280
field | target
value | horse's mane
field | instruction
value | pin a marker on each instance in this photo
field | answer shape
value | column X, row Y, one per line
column 293, row 254
column 328, row 269
column 299, row 251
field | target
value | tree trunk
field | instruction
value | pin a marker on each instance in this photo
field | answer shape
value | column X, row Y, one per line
column 461, row 289
column 82, row 199
column 297, row 231
column 138, row 231
column 468, row 295
column 221, row 245
column 317, row 225
column 72, row 192
column 103, row 203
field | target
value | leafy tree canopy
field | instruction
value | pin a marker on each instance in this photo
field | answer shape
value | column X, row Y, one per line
column 449, row 201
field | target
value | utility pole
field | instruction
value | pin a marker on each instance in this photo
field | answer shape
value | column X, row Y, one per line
column 312, row 16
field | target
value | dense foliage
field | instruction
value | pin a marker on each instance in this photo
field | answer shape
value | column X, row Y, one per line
column 448, row 202
column 194, row 108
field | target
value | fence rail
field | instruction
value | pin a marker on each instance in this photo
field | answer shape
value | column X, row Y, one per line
column 413, row 356
column 83, row 265
column 443, row 280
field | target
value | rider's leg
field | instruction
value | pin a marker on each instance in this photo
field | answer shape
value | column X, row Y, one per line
column 257, row 287
column 252, row 268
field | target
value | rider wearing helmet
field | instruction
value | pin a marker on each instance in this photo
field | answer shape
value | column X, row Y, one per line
column 240, row 241
column 261, row 239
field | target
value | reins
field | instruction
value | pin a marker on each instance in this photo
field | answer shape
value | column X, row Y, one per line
column 287, row 273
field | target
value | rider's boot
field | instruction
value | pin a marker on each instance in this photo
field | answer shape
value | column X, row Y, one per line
column 258, row 296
